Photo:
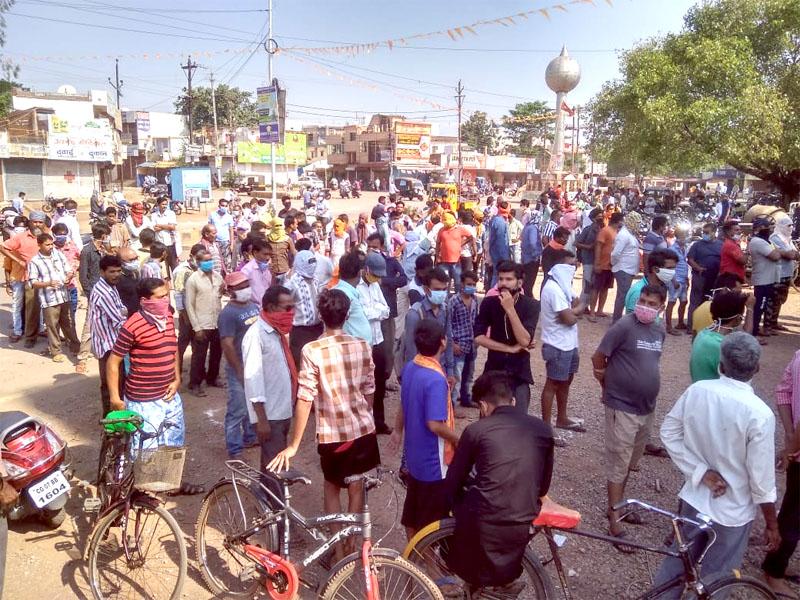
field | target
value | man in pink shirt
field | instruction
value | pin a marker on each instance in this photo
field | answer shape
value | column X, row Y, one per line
column 257, row 269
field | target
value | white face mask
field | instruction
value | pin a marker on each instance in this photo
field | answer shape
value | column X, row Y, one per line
column 242, row 295
column 665, row 275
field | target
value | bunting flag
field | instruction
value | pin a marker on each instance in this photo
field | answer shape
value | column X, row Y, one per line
column 26, row 58
column 565, row 107
column 454, row 33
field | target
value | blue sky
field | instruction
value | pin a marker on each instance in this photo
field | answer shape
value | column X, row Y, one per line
column 331, row 88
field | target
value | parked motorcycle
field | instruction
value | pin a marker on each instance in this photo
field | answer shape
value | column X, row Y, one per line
column 49, row 203
column 35, row 458
column 176, row 206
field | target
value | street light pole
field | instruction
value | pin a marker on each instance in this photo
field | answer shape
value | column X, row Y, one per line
column 117, row 85
column 216, row 131
column 271, row 82
column 460, row 100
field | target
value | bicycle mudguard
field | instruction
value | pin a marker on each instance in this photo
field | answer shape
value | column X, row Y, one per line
column 428, row 529
column 355, row 556
column 276, row 567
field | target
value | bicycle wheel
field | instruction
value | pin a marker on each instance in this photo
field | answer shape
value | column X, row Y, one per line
column 429, row 554
column 150, row 562
column 397, row 580
column 739, row 588
column 225, row 570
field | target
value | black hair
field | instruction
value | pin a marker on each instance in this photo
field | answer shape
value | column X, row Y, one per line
column 469, row 275
column 727, row 304
column 659, row 221
column 43, row 237
column 21, row 221
column 657, row 258
column 148, row 285
column 428, row 337
column 195, row 249
column 287, row 221
column 304, row 227
column 615, row 218
column 70, row 204
column 110, row 260
column 99, row 230
column 503, row 204
column 273, row 295
column 728, row 280
column 560, row 256
column 302, row 244
column 654, row 290
column 350, row 266
column 728, row 226
column 257, row 227
column 439, row 274
column 375, row 236
column 111, row 211
column 596, row 212
column 60, row 229
column 493, row 387
column 333, row 307
column 157, row 250
column 259, row 244
column 560, row 232
column 147, row 236
column 509, row 266
column 423, row 262
column 524, row 202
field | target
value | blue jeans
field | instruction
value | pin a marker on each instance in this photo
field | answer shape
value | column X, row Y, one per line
column 238, row 430
column 454, row 271
column 156, row 412
column 724, row 556
column 17, row 303
column 463, row 369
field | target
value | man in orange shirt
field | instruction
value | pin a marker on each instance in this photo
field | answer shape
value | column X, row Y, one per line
column 21, row 248
column 603, row 278
column 449, row 242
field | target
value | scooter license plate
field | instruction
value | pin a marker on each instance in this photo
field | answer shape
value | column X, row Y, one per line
column 44, row 491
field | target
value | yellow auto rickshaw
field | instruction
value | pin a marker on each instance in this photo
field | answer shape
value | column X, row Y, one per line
column 446, row 194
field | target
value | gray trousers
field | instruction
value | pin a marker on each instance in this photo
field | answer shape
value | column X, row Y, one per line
column 724, row 556
column 623, row 280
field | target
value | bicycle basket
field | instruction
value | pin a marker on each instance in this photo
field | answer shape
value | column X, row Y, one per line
column 159, row 469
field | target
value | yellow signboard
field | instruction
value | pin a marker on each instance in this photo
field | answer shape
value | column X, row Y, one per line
column 412, row 141
column 292, row 152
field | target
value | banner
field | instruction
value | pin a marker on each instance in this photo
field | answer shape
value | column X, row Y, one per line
column 269, row 130
column 292, row 152
column 91, row 141
column 142, row 129
column 412, row 142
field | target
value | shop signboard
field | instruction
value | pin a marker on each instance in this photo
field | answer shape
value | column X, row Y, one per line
column 291, row 152
column 412, row 142
column 269, row 130
column 90, row 141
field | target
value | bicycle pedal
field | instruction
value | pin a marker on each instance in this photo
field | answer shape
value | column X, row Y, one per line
column 91, row 505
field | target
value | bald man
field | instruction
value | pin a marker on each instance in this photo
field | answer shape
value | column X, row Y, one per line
column 126, row 286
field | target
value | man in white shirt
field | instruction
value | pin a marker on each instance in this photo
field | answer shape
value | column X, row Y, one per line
column 722, row 438
column 165, row 225
column 559, row 321
column 625, row 260
column 18, row 203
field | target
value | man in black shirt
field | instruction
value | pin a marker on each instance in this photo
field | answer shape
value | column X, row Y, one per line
column 510, row 319
column 493, row 511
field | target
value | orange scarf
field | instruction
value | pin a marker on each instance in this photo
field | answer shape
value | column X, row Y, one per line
column 555, row 245
column 433, row 364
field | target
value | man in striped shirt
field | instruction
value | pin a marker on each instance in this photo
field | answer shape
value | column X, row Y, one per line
column 49, row 272
column 107, row 313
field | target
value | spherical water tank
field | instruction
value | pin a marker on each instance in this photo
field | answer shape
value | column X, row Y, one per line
column 563, row 73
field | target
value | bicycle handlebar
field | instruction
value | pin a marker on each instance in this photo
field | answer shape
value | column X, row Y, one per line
column 138, row 421
column 369, row 480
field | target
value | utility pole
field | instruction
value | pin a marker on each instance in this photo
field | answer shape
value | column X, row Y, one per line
column 190, row 68
column 460, row 101
column 271, row 82
column 117, row 85
column 216, row 131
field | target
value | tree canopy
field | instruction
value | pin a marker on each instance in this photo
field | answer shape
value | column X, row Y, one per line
column 479, row 132
column 529, row 126
column 723, row 91
column 235, row 108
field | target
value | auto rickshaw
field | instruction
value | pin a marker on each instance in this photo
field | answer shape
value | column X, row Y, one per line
column 446, row 194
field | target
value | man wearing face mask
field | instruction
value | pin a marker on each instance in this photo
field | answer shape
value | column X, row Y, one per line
column 732, row 259
column 305, row 288
column 208, row 237
column 462, row 310
column 129, row 280
column 781, row 239
column 257, row 269
column 65, row 245
column 451, row 239
column 728, row 310
column 627, row 365
column 179, row 276
column 203, row 303
column 89, row 274
column 222, row 220
column 560, row 310
column 432, row 306
column 766, row 272
column 704, row 259
column 69, row 216
column 20, row 248
column 661, row 266
column 505, row 326
column 234, row 321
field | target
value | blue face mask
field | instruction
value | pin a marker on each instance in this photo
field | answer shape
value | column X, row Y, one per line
column 206, row 266
column 263, row 265
column 470, row 290
column 60, row 240
column 438, row 297
column 706, row 237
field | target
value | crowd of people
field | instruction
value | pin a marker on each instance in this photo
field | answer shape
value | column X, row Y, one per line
column 311, row 309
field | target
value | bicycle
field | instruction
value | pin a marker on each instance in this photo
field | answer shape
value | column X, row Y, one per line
column 149, row 536
column 429, row 549
column 242, row 541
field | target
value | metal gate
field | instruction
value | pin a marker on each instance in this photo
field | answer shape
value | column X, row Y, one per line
column 23, row 175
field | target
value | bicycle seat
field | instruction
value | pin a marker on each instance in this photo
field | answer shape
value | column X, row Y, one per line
column 291, row 477
column 555, row 515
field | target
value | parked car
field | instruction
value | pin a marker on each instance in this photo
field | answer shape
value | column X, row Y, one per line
column 311, row 181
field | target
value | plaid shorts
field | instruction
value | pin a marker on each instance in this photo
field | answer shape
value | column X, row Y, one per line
column 560, row 364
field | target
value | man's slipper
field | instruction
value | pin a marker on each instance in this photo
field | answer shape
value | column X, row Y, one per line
column 621, row 535
column 653, row 450
column 633, row 518
column 188, row 489
column 575, row 426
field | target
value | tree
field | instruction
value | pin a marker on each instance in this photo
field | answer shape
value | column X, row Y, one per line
column 723, row 91
column 530, row 126
column 479, row 132
column 234, row 107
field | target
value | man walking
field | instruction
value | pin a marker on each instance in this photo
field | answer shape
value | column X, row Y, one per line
column 222, row 220
column 627, row 365
column 234, row 321
column 106, row 316
column 625, row 259
column 730, row 475
column 202, row 298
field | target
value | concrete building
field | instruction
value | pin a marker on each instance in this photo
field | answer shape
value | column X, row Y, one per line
column 318, row 140
column 65, row 144
column 153, row 138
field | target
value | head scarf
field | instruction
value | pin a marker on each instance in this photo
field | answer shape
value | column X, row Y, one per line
column 783, row 229
column 570, row 220
column 137, row 213
column 477, row 215
column 562, row 274
column 339, row 228
column 449, row 220
column 278, row 231
column 305, row 264
column 632, row 221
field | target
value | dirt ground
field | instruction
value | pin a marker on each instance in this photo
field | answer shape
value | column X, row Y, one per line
column 49, row 564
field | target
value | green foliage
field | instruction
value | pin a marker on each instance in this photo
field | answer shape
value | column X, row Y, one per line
column 723, row 91
column 479, row 132
column 529, row 128
column 230, row 178
column 8, row 68
column 235, row 108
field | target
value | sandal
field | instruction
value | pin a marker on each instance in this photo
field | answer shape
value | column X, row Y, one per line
column 575, row 426
column 653, row 450
column 621, row 535
column 188, row 489
column 633, row 518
